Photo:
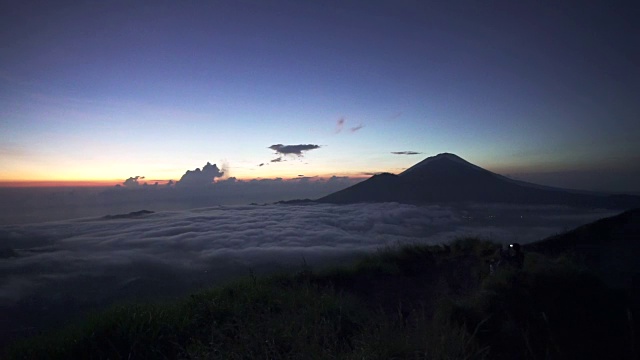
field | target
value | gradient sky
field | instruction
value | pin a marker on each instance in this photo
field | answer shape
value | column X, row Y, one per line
column 100, row 90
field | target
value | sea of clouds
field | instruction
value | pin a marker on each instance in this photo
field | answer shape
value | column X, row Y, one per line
column 32, row 205
column 52, row 270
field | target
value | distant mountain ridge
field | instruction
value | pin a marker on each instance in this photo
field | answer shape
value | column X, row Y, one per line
column 448, row 178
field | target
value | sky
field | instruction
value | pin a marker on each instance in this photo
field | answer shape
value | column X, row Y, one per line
column 102, row 91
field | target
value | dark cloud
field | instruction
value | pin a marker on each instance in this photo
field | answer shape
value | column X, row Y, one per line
column 261, row 164
column 405, row 153
column 199, row 178
column 133, row 181
column 293, row 149
column 356, row 128
column 278, row 159
column 339, row 125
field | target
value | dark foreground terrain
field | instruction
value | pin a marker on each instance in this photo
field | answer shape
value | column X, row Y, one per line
column 410, row 302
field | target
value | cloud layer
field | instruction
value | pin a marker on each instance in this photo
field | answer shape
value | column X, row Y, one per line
column 93, row 262
column 28, row 205
column 191, row 239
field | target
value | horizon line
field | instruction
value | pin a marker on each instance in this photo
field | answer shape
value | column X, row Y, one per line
column 114, row 183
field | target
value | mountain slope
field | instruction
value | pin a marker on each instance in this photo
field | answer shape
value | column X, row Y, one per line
column 449, row 178
column 609, row 247
column 622, row 230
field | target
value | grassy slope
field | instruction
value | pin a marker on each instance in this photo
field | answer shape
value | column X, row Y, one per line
column 410, row 302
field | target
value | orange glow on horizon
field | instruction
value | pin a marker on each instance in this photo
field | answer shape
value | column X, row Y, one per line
column 290, row 177
column 111, row 183
column 58, row 183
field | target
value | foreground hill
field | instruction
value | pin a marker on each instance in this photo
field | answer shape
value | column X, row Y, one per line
column 610, row 247
column 448, row 178
column 414, row 302
column 410, row 302
column 622, row 230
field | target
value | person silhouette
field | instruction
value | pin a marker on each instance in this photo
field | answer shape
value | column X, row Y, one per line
column 516, row 256
column 511, row 257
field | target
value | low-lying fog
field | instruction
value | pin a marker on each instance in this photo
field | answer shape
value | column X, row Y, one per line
column 31, row 205
column 50, row 272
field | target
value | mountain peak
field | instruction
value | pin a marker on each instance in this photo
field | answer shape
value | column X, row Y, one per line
column 447, row 178
column 437, row 158
column 445, row 154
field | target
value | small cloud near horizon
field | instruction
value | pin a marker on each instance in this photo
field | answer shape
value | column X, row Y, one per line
column 133, row 181
column 199, row 177
column 405, row 152
column 190, row 178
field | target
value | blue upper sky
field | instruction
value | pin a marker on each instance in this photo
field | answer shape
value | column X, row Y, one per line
column 540, row 90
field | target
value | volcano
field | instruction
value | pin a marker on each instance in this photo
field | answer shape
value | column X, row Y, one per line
column 447, row 178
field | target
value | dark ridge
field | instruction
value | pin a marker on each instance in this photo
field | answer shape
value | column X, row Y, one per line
column 609, row 247
column 623, row 228
column 131, row 215
column 447, row 178
column 378, row 188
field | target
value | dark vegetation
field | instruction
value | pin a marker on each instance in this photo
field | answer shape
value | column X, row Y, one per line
column 409, row 302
